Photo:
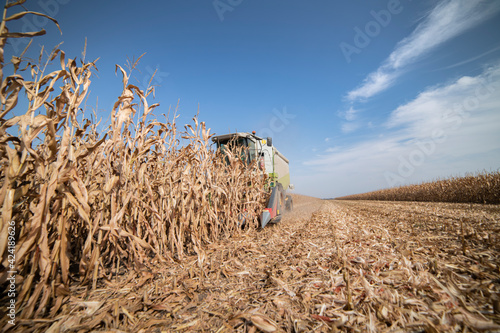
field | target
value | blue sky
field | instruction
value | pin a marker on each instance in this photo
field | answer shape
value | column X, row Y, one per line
column 359, row 95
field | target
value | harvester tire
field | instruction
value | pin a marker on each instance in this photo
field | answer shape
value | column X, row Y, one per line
column 281, row 200
column 289, row 203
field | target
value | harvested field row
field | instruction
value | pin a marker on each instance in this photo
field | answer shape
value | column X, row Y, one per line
column 482, row 188
column 348, row 265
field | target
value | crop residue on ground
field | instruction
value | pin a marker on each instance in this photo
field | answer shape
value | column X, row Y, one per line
column 349, row 265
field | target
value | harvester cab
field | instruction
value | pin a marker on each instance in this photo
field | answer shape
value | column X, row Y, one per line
column 271, row 162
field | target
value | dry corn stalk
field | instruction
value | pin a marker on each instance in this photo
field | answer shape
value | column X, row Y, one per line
column 87, row 205
column 483, row 188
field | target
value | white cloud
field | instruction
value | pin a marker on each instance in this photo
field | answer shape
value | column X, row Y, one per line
column 439, row 106
column 375, row 83
column 471, row 59
column 350, row 127
column 446, row 130
column 447, row 20
column 350, row 114
column 332, row 149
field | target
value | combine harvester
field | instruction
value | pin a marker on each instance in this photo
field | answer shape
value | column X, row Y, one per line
column 271, row 162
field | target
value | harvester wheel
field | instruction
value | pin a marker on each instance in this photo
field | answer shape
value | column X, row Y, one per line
column 289, row 203
column 281, row 200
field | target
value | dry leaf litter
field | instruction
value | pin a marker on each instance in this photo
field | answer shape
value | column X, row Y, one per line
column 330, row 265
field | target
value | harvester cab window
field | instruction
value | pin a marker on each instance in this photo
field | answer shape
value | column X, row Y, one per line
column 232, row 143
column 252, row 150
column 246, row 154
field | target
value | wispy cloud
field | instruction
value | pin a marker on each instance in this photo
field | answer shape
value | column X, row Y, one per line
column 451, row 129
column 375, row 83
column 471, row 59
column 349, row 127
column 350, row 114
column 332, row 149
column 447, row 20
column 351, row 124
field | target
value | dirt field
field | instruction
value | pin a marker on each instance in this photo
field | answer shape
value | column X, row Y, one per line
column 329, row 265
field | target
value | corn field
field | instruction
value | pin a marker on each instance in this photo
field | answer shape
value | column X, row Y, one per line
column 138, row 227
column 483, row 188
column 88, row 207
